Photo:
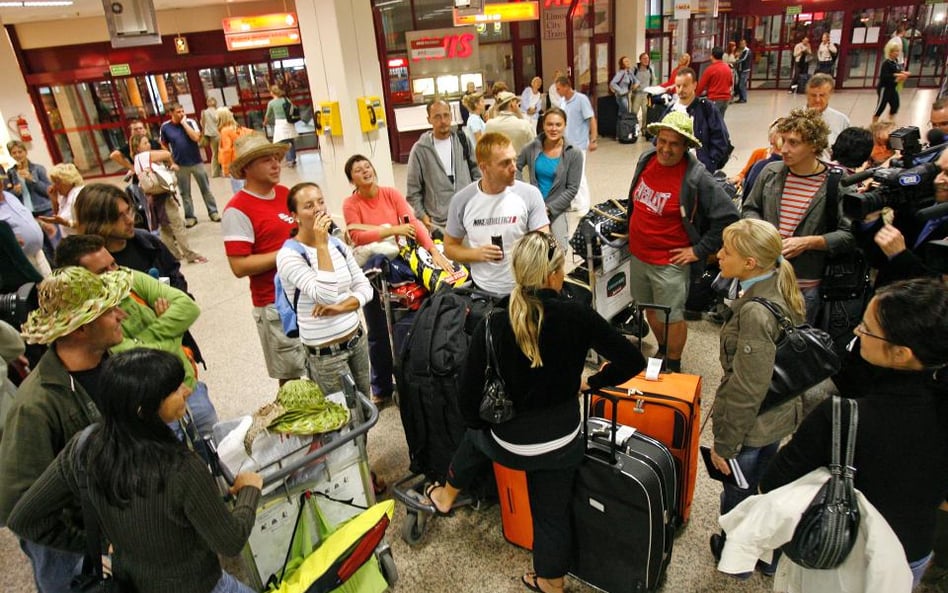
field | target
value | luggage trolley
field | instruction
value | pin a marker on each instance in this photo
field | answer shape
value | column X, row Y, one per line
column 334, row 466
column 606, row 278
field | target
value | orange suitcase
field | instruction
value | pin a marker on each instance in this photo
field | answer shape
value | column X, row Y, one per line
column 667, row 410
column 514, row 506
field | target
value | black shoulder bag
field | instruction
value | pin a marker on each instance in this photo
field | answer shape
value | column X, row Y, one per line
column 827, row 530
column 92, row 579
column 495, row 408
column 805, row 356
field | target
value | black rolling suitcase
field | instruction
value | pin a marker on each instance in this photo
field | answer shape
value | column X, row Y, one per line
column 655, row 109
column 627, row 128
column 623, row 509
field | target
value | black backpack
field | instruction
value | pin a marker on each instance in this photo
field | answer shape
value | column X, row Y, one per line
column 292, row 111
column 429, row 377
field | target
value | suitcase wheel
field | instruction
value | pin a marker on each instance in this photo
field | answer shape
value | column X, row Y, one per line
column 414, row 528
column 387, row 565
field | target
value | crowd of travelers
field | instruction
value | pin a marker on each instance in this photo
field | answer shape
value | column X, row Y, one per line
column 113, row 313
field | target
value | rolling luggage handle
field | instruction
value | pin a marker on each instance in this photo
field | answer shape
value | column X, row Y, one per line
column 614, row 429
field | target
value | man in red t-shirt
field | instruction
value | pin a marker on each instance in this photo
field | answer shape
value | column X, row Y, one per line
column 717, row 80
column 671, row 230
column 255, row 224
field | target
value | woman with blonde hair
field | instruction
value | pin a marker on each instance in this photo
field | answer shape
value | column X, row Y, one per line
column 744, row 432
column 540, row 343
column 276, row 116
column 65, row 184
column 229, row 130
column 892, row 75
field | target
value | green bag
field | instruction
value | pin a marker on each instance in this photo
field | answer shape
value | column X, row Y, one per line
column 344, row 560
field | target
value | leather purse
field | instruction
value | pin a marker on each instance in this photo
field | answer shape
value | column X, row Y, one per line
column 805, row 356
column 827, row 530
column 495, row 408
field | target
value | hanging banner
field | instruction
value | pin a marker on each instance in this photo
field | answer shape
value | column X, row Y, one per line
column 682, row 10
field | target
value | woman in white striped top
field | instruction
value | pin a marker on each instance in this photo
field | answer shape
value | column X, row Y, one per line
column 332, row 289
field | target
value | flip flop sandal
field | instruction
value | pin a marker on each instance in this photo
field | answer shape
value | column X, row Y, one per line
column 428, row 490
column 529, row 581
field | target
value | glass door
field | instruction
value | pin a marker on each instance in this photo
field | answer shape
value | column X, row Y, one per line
column 85, row 123
column 580, row 43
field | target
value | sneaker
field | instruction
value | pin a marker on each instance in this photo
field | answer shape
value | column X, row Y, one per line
column 214, row 216
column 190, row 222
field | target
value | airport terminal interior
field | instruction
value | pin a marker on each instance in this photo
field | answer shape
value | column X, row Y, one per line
column 467, row 551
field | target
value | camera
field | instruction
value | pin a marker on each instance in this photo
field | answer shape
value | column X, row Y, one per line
column 896, row 187
column 906, row 140
column 15, row 306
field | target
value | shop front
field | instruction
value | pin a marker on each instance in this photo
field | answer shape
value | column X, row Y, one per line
column 86, row 95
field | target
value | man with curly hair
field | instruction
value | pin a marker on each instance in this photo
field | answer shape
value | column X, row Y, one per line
column 791, row 195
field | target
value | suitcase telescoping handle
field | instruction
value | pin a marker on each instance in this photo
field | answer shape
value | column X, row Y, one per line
column 613, row 430
column 663, row 308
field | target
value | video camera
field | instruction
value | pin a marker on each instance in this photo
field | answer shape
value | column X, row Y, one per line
column 15, row 306
column 907, row 181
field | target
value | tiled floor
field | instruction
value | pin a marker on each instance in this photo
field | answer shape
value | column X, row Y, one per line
column 467, row 552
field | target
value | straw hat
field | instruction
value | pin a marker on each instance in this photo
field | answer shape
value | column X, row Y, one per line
column 504, row 97
column 72, row 297
column 251, row 147
column 677, row 121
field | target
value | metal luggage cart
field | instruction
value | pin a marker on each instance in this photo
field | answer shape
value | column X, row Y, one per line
column 607, row 278
column 335, row 467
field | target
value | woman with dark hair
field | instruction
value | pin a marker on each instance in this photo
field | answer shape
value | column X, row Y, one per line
column 556, row 169
column 901, row 385
column 373, row 214
column 624, row 83
column 158, row 506
column 320, row 274
column 540, row 341
column 166, row 209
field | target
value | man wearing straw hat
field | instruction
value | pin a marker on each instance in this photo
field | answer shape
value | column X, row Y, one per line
column 79, row 319
column 256, row 223
column 677, row 212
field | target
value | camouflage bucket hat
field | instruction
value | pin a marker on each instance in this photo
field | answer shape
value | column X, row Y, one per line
column 72, row 297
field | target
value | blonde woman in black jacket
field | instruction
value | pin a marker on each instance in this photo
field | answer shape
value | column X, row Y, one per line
column 540, row 341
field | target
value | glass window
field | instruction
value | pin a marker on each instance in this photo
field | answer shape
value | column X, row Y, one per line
column 433, row 14
column 527, row 30
column 396, row 19
column 492, row 32
column 603, row 18
column 497, row 63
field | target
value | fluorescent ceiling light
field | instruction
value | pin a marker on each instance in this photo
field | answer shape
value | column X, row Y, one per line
column 36, row 3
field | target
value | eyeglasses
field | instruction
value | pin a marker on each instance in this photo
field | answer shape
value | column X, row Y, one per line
column 551, row 246
column 861, row 329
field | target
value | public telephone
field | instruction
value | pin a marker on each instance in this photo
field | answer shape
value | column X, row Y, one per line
column 330, row 118
column 371, row 113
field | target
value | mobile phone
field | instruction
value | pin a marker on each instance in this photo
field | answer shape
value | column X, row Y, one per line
column 499, row 242
column 406, row 219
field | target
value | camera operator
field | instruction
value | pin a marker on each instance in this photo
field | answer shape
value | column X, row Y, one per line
column 891, row 245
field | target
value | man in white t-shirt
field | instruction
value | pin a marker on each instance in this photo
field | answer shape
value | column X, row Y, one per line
column 492, row 214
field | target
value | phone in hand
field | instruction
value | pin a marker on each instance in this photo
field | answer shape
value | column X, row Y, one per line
column 499, row 242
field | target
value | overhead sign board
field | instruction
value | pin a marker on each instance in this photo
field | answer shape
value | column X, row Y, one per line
column 500, row 13
column 263, row 30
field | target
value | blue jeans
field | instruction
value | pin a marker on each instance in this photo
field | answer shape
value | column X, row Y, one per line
column 380, row 350
column 623, row 101
column 202, row 411
column 742, row 85
column 291, row 153
column 53, row 570
column 813, row 302
column 918, row 568
column 184, row 174
column 753, row 462
column 228, row 584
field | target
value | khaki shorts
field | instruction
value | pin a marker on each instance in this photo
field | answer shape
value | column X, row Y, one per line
column 660, row 285
column 285, row 357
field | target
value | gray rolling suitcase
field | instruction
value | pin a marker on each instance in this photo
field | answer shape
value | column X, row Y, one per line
column 623, row 510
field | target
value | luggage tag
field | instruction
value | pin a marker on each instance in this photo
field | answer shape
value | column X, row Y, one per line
column 654, row 369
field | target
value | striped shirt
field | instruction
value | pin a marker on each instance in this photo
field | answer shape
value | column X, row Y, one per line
column 798, row 192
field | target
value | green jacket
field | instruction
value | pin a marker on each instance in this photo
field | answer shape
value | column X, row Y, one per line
column 144, row 328
column 748, row 349
column 50, row 408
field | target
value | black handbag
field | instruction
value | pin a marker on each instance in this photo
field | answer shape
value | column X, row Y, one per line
column 827, row 530
column 92, row 579
column 495, row 408
column 605, row 224
column 805, row 356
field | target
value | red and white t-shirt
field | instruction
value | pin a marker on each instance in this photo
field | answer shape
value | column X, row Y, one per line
column 798, row 192
column 254, row 224
column 655, row 227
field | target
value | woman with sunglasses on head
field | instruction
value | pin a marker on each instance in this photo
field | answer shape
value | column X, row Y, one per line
column 901, row 383
column 540, row 341
column 158, row 506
